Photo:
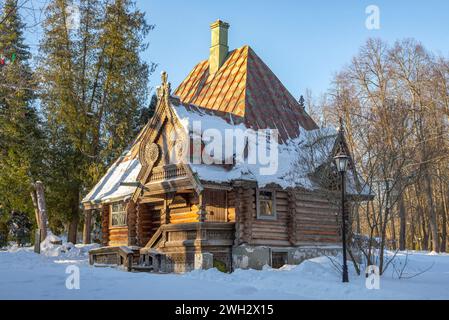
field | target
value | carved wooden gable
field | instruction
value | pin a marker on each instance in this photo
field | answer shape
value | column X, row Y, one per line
column 158, row 148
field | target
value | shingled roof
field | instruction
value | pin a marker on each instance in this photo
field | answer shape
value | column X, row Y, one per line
column 245, row 86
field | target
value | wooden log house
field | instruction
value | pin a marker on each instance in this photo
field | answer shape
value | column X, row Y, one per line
column 162, row 213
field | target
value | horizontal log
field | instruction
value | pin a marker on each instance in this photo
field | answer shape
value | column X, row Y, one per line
column 268, row 242
column 194, row 217
column 280, row 229
column 114, row 244
column 188, row 220
column 282, row 202
column 118, row 234
column 316, row 223
column 282, row 194
column 269, row 222
column 317, row 230
column 319, row 239
column 318, row 233
column 317, row 212
column 181, row 209
column 268, row 238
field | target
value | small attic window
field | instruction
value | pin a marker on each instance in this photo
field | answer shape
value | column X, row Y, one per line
column 118, row 214
column 266, row 204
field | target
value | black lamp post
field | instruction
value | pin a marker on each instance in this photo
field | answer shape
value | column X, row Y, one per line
column 341, row 161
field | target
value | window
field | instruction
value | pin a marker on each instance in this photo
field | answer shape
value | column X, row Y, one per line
column 118, row 214
column 266, row 204
column 278, row 259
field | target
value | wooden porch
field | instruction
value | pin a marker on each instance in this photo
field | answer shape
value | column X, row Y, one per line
column 172, row 248
column 171, row 220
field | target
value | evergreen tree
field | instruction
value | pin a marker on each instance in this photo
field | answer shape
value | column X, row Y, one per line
column 19, row 226
column 147, row 113
column 20, row 134
column 94, row 85
column 3, row 234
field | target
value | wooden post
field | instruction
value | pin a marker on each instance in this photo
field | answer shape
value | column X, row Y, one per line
column 165, row 213
column 87, row 226
column 105, row 225
column 202, row 206
column 139, row 240
column 42, row 209
column 131, row 209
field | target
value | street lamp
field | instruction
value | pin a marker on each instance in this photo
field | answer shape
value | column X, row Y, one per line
column 341, row 161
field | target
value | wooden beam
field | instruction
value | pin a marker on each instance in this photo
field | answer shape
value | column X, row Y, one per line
column 217, row 186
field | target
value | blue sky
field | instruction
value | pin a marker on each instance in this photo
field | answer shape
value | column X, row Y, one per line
column 304, row 42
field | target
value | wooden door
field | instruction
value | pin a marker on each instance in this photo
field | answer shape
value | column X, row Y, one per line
column 216, row 205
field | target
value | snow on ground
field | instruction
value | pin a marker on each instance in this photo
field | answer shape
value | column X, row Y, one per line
column 26, row 275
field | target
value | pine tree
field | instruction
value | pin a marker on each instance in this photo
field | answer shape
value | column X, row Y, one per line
column 20, row 134
column 126, row 76
column 94, row 85
column 147, row 113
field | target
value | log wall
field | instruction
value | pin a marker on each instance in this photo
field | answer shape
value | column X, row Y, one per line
column 186, row 212
column 147, row 222
column 118, row 236
column 316, row 219
column 272, row 232
column 302, row 218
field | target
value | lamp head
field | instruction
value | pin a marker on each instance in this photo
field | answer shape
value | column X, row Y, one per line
column 341, row 161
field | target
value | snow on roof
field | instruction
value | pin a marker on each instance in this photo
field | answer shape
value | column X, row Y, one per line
column 290, row 172
column 296, row 158
column 124, row 170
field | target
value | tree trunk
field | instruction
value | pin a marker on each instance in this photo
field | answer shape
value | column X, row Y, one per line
column 444, row 227
column 402, row 223
column 433, row 223
column 425, row 235
column 443, row 215
column 87, row 226
column 393, row 233
column 73, row 228
column 74, row 219
column 35, row 206
column 40, row 195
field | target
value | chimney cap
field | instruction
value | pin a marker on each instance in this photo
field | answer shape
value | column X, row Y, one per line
column 219, row 23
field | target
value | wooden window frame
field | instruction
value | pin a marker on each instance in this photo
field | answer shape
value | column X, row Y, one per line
column 273, row 200
column 124, row 212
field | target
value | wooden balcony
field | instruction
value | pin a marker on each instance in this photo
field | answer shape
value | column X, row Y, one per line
column 168, row 172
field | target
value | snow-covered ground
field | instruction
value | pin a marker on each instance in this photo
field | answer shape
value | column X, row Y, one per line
column 26, row 275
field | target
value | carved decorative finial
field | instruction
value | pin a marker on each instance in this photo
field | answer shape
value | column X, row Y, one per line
column 301, row 101
column 164, row 77
column 164, row 90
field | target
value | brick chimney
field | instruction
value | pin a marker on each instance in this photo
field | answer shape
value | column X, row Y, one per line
column 219, row 45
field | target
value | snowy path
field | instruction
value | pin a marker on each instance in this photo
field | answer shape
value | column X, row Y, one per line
column 25, row 275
